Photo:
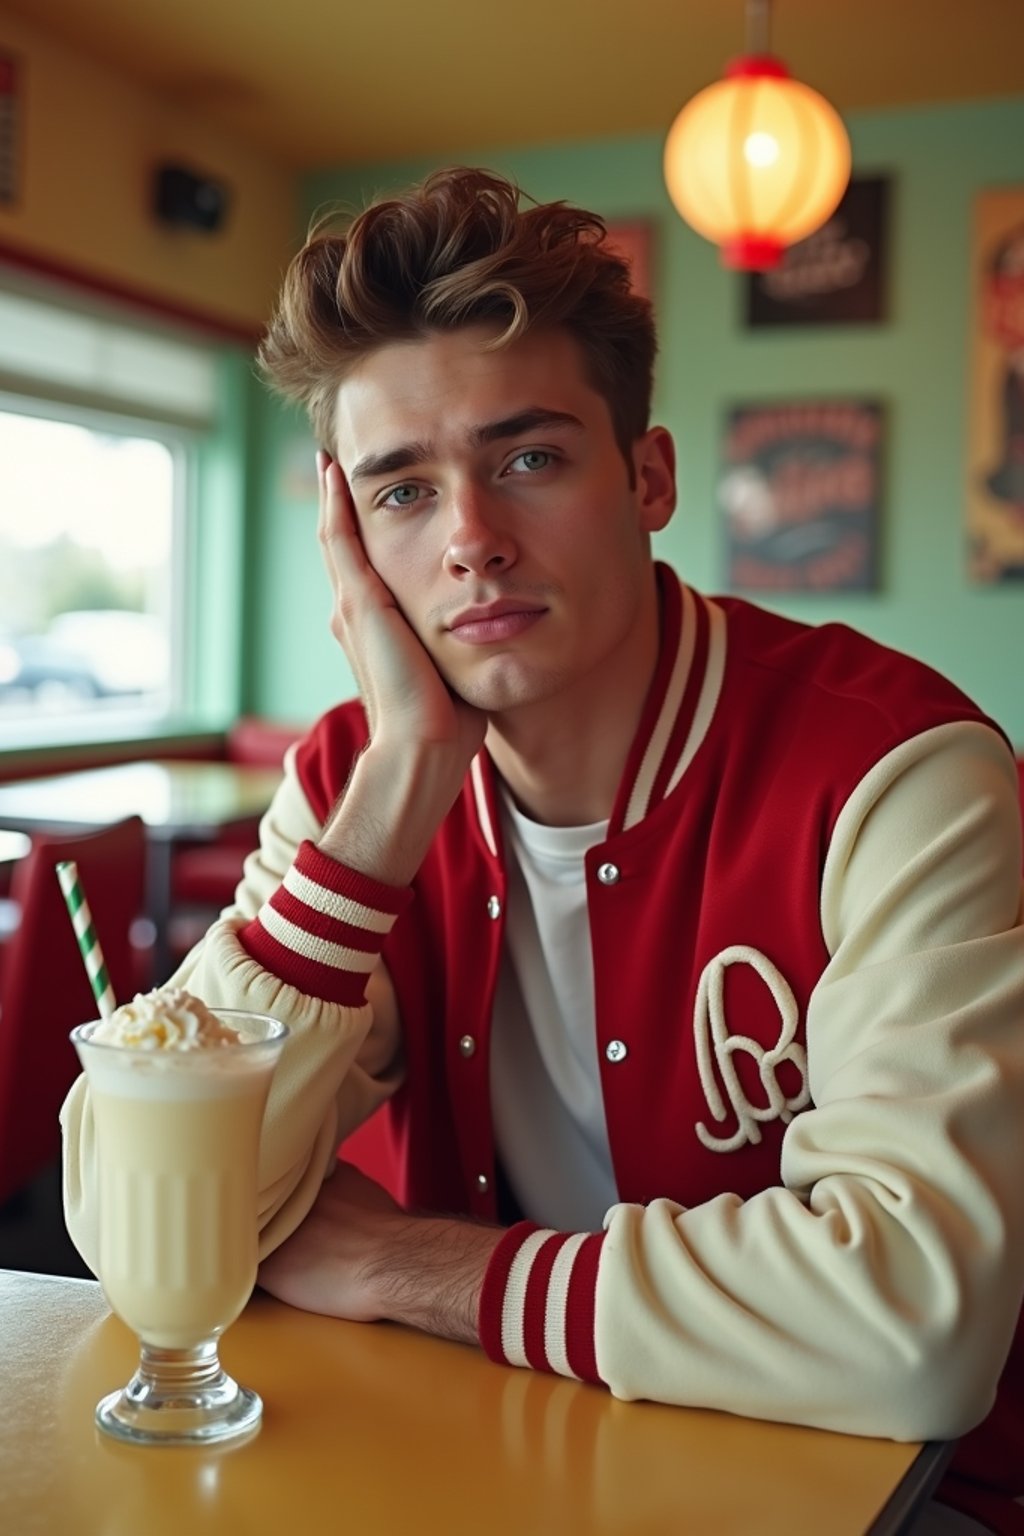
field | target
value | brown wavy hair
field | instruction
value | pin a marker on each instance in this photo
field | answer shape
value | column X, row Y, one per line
column 458, row 249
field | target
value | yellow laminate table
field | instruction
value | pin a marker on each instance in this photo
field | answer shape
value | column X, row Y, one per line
column 378, row 1431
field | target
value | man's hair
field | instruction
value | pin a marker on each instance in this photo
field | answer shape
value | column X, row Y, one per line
column 458, row 250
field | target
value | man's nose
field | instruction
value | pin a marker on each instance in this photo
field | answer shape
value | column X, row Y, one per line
column 479, row 543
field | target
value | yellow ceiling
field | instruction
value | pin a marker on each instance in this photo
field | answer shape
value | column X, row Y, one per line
column 321, row 82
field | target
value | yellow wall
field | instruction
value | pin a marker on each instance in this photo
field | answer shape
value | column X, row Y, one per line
column 89, row 141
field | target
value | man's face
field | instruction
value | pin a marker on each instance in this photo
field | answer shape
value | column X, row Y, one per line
column 495, row 504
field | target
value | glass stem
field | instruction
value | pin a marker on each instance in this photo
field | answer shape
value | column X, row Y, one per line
column 179, row 1370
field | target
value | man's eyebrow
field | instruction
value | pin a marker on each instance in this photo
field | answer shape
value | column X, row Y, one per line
column 530, row 420
column 373, row 465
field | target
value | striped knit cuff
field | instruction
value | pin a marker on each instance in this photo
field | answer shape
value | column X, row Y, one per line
column 324, row 927
column 538, row 1298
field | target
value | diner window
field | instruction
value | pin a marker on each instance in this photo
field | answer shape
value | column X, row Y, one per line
column 87, row 570
column 98, row 425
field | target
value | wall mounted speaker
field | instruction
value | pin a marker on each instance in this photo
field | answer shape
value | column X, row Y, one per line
column 187, row 200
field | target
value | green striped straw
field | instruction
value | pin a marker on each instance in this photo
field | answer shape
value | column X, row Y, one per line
column 85, row 933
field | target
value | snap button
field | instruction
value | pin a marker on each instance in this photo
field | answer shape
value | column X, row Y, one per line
column 493, row 907
column 608, row 874
column 483, row 1183
column 616, row 1050
column 467, row 1045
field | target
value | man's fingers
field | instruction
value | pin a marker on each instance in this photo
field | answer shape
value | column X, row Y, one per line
column 339, row 533
column 353, row 578
column 322, row 461
column 337, row 511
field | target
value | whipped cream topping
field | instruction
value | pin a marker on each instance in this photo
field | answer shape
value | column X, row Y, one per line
column 166, row 1019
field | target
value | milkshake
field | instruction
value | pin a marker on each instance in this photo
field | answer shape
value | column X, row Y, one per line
column 178, row 1092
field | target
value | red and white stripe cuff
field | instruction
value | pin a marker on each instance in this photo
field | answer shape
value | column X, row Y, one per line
column 538, row 1301
column 324, row 927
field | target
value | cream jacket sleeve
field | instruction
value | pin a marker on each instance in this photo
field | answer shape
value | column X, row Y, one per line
column 337, row 1066
column 876, row 1290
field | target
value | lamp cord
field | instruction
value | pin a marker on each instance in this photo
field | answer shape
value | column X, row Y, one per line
column 758, row 26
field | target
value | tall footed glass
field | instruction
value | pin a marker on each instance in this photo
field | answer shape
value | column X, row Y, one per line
column 177, row 1138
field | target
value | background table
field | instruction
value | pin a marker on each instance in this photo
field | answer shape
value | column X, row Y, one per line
column 376, row 1431
column 180, row 802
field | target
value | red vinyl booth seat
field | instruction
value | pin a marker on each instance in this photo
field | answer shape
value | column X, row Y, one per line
column 44, row 990
column 207, row 876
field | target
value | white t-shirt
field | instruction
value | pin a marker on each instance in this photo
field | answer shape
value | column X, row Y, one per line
column 549, row 1118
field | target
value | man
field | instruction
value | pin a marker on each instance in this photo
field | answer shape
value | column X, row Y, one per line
column 687, row 933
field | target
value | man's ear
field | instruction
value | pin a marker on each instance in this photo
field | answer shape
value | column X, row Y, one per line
column 654, row 467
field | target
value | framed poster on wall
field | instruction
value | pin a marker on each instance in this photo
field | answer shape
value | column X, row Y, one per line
column 995, row 452
column 838, row 275
column 11, row 108
column 799, row 494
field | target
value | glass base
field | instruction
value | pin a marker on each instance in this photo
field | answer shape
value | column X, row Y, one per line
column 180, row 1397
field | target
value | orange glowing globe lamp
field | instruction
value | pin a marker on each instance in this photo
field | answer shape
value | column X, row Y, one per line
column 756, row 161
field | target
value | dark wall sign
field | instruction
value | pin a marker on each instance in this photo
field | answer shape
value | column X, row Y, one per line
column 10, row 109
column 799, row 494
column 837, row 275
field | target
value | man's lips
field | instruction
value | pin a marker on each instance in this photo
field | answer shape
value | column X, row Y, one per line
column 503, row 620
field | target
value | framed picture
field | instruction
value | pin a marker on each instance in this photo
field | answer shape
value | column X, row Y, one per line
column 837, row 276
column 799, row 494
column 995, row 454
column 11, row 91
column 632, row 238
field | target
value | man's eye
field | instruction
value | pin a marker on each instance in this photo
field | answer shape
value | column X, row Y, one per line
column 401, row 496
column 531, row 460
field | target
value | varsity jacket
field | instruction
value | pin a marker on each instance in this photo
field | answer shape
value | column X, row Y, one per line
column 809, row 992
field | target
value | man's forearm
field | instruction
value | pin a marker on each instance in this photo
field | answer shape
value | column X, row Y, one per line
column 391, row 809
column 359, row 1255
column 432, row 1275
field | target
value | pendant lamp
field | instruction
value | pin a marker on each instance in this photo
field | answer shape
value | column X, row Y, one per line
column 757, row 160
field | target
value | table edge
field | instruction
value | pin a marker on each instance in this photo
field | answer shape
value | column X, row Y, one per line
column 914, row 1488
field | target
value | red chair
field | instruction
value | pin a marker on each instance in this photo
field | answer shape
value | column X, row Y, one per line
column 44, row 990
column 261, row 742
column 206, row 876
column 203, row 879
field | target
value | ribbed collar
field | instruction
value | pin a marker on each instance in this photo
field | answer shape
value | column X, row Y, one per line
column 680, row 706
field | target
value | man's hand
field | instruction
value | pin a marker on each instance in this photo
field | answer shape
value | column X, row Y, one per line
column 358, row 1255
column 404, row 694
column 422, row 737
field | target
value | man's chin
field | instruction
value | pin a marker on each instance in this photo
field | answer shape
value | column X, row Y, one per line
column 501, row 687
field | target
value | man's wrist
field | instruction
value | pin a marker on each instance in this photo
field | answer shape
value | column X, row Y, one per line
column 430, row 1272
column 391, row 809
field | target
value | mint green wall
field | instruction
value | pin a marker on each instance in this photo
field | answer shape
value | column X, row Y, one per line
column 218, row 579
column 917, row 363
column 295, row 668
